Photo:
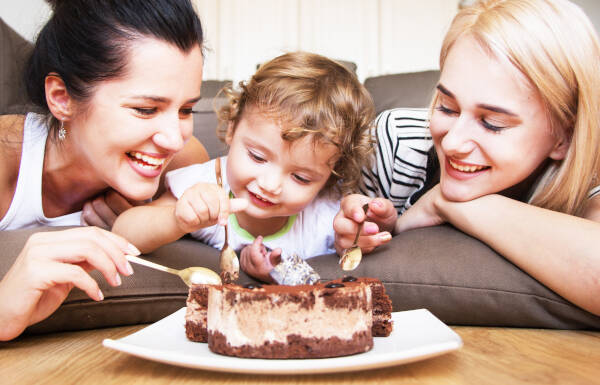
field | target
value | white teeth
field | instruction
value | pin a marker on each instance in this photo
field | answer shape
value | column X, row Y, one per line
column 152, row 163
column 465, row 168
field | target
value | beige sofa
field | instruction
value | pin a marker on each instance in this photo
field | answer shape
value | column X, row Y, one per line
column 458, row 278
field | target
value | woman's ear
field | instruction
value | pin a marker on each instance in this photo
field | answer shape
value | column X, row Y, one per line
column 57, row 97
column 229, row 133
column 560, row 148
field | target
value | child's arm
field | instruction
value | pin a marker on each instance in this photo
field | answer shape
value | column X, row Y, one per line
column 167, row 219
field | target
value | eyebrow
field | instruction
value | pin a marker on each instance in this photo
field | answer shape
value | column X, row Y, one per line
column 488, row 107
column 160, row 99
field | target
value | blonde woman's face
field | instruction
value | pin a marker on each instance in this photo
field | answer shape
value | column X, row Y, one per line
column 489, row 127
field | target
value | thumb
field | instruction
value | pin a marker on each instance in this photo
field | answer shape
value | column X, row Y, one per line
column 237, row 204
column 275, row 256
column 381, row 207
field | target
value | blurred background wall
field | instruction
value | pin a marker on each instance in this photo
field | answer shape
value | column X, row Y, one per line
column 379, row 36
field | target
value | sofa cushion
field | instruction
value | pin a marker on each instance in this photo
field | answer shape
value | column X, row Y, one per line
column 402, row 90
column 458, row 278
column 14, row 50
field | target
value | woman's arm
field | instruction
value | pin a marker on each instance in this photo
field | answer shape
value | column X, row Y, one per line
column 559, row 250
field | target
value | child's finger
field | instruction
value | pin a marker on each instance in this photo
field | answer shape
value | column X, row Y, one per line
column 237, row 204
column 224, row 207
column 351, row 206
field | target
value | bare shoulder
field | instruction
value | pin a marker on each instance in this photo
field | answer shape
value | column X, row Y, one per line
column 11, row 143
column 193, row 152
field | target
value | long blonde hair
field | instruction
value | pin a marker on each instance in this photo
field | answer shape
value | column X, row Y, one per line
column 311, row 95
column 555, row 46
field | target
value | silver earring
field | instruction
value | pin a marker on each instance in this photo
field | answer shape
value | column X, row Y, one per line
column 62, row 131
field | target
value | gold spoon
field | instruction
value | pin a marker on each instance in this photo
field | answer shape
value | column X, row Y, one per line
column 190, row 275
column 353, row 255
column 228, row 260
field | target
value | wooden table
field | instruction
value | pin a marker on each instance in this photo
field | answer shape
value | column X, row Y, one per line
column 489, row 356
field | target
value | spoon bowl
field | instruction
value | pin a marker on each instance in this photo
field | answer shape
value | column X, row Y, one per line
column 353, row 255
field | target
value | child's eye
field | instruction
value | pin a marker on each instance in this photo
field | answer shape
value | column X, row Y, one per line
column 301, row 179
column 256, row 157
column 145, row 111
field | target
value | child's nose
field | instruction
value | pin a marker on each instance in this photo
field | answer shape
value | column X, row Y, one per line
column 270, row 182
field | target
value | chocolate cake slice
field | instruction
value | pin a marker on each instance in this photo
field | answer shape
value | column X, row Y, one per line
column 195, row 313
column 277, row 321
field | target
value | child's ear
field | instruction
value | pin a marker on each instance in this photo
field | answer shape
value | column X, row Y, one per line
column 58, row 99
column 229, row 133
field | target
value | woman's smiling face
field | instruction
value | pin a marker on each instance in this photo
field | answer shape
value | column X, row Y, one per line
column 133, row 125
column 489, row 125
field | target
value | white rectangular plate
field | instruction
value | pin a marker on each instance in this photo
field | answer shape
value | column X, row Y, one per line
column 417, row 335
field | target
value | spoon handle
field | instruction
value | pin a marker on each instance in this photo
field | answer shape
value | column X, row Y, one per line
column 360, row 225
column 152, row 265
column 219, row 176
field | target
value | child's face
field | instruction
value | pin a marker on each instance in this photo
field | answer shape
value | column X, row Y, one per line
column 278, row 178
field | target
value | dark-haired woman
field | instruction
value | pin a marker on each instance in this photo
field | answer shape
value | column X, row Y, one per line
column 116, row 81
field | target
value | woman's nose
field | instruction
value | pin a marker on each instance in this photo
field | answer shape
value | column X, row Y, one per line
column 172, row 134
column 459, row 137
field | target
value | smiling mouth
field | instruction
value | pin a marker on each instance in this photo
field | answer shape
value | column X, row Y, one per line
column 145, row 161
column 261, row 199
column 467, row 168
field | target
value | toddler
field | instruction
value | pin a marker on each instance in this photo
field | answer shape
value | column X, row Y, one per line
column 298, row 134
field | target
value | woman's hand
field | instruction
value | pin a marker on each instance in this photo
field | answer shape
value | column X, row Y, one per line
column 257, row 261
column 104, row 209
column 426, row 212
column 378, row 222
column 203, row 205
column 48, row 267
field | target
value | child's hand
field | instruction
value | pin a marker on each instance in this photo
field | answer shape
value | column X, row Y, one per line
column 378, row 222
column 257, row 261
column 204, row 205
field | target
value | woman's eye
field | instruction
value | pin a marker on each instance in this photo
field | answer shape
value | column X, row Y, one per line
column 445, row 109
column 185, row 111
column 145, row 111
column 490, row 126
column 301, row 179
column 256, row 157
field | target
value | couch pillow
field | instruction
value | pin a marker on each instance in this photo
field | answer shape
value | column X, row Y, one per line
column 402, row 90
column 458, row 278
column 14, row 50
column 205, row 125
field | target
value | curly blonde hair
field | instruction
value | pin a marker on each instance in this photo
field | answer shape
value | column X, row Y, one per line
column 309, row 94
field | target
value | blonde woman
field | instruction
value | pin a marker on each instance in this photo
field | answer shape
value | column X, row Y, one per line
column 515, row 131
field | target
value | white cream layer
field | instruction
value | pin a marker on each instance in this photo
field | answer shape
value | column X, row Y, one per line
column 255, row 323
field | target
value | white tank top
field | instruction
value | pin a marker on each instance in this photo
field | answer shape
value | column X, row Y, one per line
column 25, row 210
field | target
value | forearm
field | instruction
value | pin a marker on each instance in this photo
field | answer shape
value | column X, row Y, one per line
column 558, row 250
column 148, row 227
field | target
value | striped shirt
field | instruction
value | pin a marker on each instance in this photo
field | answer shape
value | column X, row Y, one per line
column 402, row 145
column 404, row 163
